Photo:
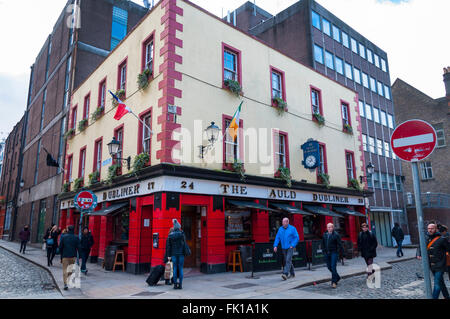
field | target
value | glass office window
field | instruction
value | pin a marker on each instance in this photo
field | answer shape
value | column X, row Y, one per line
column 357, row 75
column 364, row 140
column 365, row 80
column 369, row 56
column 376, row 115
column 379, row 147
column 348, row 71
column 362, row 51
column 369, row 111
column 383, row 118
column 373, row 85
column 399, row 183
column 119, row 26
column 371, row 145
column 391, row 182
column 387, row 149
column 329, row 60
column 336, row 34
column 361, row 108
column 354, row 45
column 318, row 54
column 326, row 27
column 316, row 20
column 383, row 65
column 390, row 121
column 380, row 88
column 384, row 183
column 387, row 92
column 345, row 40
column 339, row 65
column 376, row 179
column 377, row 60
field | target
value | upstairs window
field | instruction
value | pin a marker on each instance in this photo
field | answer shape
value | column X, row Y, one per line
column 339, row 65
column 69, row 168
column 277, row 84
column 350, row 165
column 122, row 76
column 281, row 150
column 376, row 179
column 119, row 26
column 386, row 149
column 87, row 100
column 82, row 165
column 318, row 54
column 98, row 155
column 345, row 40
column 102, row 94
column 323, row 167
column 361, row 108
column 369, row 56
column 144, row 137
column 398, row 182
column 329, row 60
column 231, row 144
column 387, row 92
column 316, row 20
column 439, row 128
column 365, row 80
column 373, row 85
column 368, row 111
column 427, row 170
column 362, row 51
column 377, row 60
column 390, row 121
column 345, row 114
column 379, row 147
column 354, row 45
column 348, row 71
column 118, row 134
column 357, row 74
column 336, row 34
column 383, row 118
column 231, row 64
column 376, row 115
column 364, row 140
column 316, row 101
column 326, row 27
column 384, row 182
column 383, row 65
column 44, row 101
column 372, row 145
column 73, row 118
column 148, row 54
column 380, row 88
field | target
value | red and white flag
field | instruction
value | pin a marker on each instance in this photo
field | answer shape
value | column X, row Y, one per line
column 122, row 109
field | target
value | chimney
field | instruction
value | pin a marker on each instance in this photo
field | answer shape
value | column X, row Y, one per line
column 447, row 82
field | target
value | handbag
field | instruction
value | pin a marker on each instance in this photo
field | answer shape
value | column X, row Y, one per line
column 448, row 259
column 168, row 271
column 50, row 241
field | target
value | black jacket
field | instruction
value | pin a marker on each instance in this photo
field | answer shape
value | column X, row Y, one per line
column 437, row 252
column 397, row 233
column 367, row 244
column 176, row 244
column 87, row 241
column 332, row 243
column 52, row 234
column 69, row 245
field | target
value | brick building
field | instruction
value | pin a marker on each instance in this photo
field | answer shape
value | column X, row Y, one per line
column 312, row 35
column 70, row 53
column 434, row 173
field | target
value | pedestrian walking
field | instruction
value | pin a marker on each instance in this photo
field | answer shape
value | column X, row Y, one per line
column 332, row 245
column 51, row 241
column 24, row 236
column 177, row 248
column 367, row 246
column 86, row 243
column 69, row 247
column 288, row 236
column 398, row 235
column 437, row 247
column 444, row 233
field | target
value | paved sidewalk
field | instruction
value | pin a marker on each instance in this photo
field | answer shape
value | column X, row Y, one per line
column 99, row 283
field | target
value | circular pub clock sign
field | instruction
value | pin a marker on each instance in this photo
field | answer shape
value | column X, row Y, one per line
column 85, row 200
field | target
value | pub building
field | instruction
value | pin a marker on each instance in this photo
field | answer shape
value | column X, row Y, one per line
column 218, row 214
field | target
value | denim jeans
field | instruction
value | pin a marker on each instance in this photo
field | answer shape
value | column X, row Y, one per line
column 439, row 285
column 84, row 256
column 23, row 245
column 178, row 262
column 288, row 266
column 331, row 260
column 399, row 249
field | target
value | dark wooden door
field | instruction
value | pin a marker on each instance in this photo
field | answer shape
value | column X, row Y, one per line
column 189, row 226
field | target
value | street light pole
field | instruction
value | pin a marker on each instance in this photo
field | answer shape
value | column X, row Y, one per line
column 423, row 248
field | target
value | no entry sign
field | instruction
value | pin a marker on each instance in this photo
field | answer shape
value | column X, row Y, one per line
column 85, row 200
column 413, row 140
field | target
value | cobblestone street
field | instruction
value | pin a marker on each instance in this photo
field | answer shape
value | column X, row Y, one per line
column 20, row 278
column 403, row 281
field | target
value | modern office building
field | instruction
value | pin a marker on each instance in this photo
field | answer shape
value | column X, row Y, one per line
column 83, row 35
column 312, row 35
column 434, row 173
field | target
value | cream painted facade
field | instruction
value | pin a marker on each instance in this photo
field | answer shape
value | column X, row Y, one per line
column 204, row 100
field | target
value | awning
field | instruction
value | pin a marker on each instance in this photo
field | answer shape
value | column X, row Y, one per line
column 289, row 209
column 109, row 210
column 247, row 204
column 320, row 210
column 348, row 211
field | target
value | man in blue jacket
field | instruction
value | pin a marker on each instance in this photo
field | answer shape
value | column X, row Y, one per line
column 288, row 236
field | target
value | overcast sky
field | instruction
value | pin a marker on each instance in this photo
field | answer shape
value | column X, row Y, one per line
column 414, row 33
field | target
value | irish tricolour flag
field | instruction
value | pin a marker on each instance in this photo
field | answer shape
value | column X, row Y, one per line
column 122, row 109
column 234, row 125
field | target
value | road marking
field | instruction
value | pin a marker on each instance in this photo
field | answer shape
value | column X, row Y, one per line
column 414, row 140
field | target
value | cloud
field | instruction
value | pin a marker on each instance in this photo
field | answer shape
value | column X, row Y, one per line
column 13, row 97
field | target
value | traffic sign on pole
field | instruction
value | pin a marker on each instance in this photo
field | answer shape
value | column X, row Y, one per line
column 413, row 141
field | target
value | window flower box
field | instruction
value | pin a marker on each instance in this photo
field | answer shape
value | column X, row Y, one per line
column 144, row 78
column 82, row 125
column 285, row 174
column 348, row 129
column 324, row 179
column 280, row 105
column 319, row 118
column 69, row 134
column 233, row 86
column 98, row 113
column 120, row 94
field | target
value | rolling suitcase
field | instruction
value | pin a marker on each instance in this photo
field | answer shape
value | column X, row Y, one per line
column 155, row 275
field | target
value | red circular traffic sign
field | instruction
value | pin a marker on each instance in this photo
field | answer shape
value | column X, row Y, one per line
column 413, row 140
column 86, row 200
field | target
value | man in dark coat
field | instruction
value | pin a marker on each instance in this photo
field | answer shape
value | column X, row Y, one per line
column 398, row 235
column 24, row 236
column 69, row 247
column 437, row 247
column 86, row 243
column 332, row 246
column 367, row 246
column 177, row 249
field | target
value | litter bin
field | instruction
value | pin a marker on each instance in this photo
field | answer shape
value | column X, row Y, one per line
column 110, row 254
column 246, row 255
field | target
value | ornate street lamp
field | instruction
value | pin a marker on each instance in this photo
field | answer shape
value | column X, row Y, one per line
column 212, row 133
column 113, row 148
column 370, row 169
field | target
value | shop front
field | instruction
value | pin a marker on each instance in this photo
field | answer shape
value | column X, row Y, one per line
column 217, row 212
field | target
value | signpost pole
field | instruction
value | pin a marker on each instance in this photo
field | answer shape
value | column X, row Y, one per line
column 423, row 249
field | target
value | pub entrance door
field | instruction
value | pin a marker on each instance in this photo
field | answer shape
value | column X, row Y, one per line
column 190, row 224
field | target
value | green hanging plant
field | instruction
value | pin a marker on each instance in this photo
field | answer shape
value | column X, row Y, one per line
column 281, row 105
column 319, row 118
column 285, row 174
column 112, row 173
column 66, row 187
column 77, row 184
column 238, row 167
column 325, row 179
column 98, row 113
column 233, row 86
column 140, row 161
column 69, row 134
column 82, row 125
column 143, row 78
column 120, row 94
column 348, row 129
column 94, row 178
column 353, row 183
